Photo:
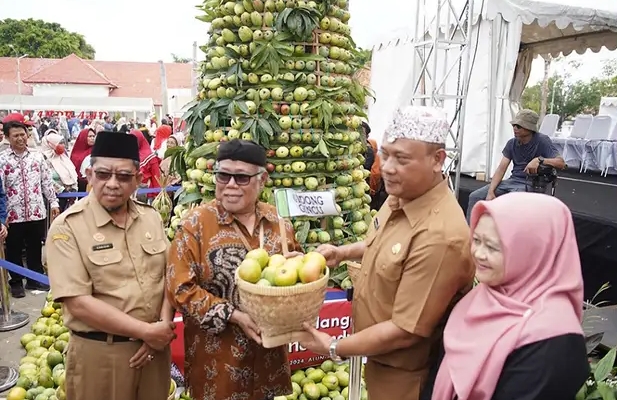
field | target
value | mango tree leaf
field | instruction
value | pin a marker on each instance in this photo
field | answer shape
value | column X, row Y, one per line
column 173, row 150
column 315, row 104
column 281, row 19
column 243, row 107
column 231, row 53
column 259, row 50
column 231, row 108
column 204, row 150
column 607, row 392
column 198, row 131
column 274, row 123
column 323, row 149
column 177, row 164
column 204, row 18
column 179, row 193
column 247, row 125
column 204, row 106
column 188, row 198
column 308, row 57
column 605, row 366
column 265, row 141
column 303, row 232
column 222, row 103
column 214, row 119
column 263, row 124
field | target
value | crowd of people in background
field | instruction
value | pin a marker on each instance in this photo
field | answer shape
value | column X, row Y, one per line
column 44, row 157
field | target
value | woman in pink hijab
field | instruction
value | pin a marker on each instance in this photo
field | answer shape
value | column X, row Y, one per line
column 517, row 335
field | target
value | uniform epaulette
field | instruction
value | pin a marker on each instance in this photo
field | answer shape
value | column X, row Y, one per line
column 75, row 209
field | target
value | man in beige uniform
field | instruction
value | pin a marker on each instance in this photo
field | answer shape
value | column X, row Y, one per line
column 107, row 256
column 415, row 262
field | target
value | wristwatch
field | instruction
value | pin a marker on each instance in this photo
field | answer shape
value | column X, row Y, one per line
column 541, row 160
column 332, row 351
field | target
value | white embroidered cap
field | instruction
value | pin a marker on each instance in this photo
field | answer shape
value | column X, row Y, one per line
column 426, row 124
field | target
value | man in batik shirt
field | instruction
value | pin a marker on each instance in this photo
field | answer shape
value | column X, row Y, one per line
column 224, row 356
column 28, row 184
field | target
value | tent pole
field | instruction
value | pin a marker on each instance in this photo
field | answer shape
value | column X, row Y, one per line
column 355, row 367
column 455, row 46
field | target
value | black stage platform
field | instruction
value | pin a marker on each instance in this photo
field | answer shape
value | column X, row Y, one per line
column 593, row 202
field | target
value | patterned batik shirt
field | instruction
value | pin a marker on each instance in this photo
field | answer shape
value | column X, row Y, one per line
column 28, row 182
column 221, row 362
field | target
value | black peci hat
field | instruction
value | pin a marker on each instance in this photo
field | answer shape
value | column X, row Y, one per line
column 242, row 150
column 115, row 145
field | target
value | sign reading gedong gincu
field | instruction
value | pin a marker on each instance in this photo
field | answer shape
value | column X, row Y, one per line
column 293, row 203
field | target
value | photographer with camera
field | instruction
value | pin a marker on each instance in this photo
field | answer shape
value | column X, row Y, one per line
column 530, row 152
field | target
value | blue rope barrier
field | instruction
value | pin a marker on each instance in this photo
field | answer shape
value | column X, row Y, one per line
column 16, row 269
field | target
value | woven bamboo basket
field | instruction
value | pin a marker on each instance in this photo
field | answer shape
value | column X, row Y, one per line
column 279, row 312
column 353, row 270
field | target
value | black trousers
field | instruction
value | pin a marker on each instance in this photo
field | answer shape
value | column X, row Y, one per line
column 28, row 236
column 82, row 185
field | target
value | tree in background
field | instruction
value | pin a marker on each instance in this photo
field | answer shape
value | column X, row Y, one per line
column 38, row 38
column 545, row 89
column 180, row 59
column 568, row 99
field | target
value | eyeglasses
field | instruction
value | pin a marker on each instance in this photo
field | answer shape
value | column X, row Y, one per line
column 241, row 179
column 120, row 177
column 517, row 126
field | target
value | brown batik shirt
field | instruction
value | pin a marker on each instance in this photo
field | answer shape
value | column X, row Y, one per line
column 221, row 362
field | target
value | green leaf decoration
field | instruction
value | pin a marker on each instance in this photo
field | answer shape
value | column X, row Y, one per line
column 188, row 198
column 605, row 366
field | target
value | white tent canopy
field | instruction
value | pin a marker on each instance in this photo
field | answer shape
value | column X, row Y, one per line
column 506, row 36
column 109, row 104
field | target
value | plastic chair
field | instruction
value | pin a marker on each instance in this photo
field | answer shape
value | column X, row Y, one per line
column 599, row 131
column 549, row 125
column 574, row 146
column 609, row 148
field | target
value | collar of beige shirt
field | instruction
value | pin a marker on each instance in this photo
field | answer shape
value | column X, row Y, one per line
column 428, row 200
column 102, row 217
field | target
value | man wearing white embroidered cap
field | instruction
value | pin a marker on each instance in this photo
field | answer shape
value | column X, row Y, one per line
column 415, row 263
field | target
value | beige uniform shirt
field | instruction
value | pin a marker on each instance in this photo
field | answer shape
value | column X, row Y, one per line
column 417, row 261
column 88, row 254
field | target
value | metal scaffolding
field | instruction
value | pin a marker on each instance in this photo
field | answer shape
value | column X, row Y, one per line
column 443, row 45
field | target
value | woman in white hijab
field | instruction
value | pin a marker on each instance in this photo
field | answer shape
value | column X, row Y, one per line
column 63, row 170
column 63, row 129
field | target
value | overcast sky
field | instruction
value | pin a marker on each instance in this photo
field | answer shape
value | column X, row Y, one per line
column 150, row 30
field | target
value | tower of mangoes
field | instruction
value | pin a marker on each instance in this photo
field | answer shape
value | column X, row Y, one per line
column 281, row 73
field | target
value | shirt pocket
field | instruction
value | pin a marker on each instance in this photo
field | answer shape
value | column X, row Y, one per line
column 155, row 257
column 108, row 272
column 388, row 271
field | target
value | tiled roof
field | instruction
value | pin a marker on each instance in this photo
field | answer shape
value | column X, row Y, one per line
column 69, row 70
column 130, row 79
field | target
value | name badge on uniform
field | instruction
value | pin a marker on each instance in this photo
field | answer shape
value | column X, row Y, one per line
column 104, row 246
